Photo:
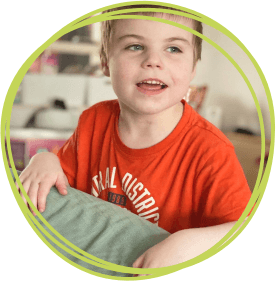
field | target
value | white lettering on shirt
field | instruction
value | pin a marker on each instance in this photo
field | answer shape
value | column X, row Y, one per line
column 112, row 178
column 140, row 196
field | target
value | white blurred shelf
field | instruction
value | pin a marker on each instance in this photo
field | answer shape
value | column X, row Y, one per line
column 30, row 106
column 36, row 133
column 66, row 47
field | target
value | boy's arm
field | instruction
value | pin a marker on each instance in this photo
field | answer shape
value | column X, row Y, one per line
column 43, row 171
column 182, row 246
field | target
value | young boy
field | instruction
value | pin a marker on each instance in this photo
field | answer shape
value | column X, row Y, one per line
column 149, row 151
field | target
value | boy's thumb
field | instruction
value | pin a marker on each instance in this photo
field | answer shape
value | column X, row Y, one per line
column 139, row 262
column 61, row 185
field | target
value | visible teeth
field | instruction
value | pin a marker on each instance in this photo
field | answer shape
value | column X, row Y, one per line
column 153, row 82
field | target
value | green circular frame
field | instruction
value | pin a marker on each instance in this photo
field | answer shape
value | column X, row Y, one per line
column 53, row 235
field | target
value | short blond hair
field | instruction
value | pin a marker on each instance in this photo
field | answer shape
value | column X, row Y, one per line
column 106, row 30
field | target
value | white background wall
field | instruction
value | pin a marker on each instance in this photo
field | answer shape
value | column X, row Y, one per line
column 226, row 87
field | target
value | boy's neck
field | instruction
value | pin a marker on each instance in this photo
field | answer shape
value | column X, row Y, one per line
column 139, row 131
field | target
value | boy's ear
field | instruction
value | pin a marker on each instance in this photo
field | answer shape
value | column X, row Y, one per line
column 105, row 69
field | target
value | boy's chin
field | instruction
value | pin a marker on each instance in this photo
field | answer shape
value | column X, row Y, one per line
column 148, row 109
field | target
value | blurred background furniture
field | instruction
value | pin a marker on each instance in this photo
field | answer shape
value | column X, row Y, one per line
column 25, row 143
column 248, row 150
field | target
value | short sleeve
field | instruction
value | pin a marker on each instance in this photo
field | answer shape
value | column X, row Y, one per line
column 223, row 188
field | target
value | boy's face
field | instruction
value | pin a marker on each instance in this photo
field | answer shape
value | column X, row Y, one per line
column 150, row 64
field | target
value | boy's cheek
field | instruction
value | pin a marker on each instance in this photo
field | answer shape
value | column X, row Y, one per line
column 123, row 69
column 182, row 74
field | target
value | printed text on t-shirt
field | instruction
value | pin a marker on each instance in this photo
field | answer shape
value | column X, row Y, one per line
column 135, row 191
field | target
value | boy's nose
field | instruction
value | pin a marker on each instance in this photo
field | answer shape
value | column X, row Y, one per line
column 152, row 60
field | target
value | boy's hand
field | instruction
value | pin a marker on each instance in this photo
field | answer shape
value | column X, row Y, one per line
column 40, row 175
column 166, row 253
column 182, row 246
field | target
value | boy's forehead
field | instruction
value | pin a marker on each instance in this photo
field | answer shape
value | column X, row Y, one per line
column 175, row 18
column 122, row 26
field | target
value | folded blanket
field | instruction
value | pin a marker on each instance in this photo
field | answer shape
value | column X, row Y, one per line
column 100, row 228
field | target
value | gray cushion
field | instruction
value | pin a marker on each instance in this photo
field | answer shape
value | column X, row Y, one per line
column 100, row 228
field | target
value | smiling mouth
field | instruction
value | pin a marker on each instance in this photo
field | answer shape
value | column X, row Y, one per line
column 152, row 85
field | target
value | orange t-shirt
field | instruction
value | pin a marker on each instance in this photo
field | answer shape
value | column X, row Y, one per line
column 190, row 179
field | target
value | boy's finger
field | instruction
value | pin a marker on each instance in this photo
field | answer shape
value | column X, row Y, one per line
column 30, row 208
column 42, row 194
column 24, row 199
column 61, row 186
column 33, row 195
column 26, row 186
column 66, row 180
column 17, row 185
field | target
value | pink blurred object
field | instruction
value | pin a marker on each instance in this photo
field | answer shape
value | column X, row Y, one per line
column 49, row 63
column 195, row 96
column 36, row 66
column 24, row 149
column 35, row 146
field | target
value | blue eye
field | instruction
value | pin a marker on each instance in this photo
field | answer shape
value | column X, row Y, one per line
column 135, row 48
column 174, row 50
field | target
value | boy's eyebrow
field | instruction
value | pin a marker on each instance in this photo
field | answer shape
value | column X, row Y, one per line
column 141, row 37
column 130, row 35
column 178, row 39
